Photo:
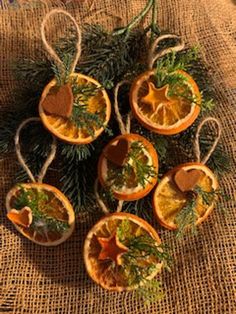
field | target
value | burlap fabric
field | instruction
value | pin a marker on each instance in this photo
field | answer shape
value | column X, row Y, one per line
column 35, row 279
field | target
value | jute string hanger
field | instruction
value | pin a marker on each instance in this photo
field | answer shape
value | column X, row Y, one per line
column 125, row 128
column 52, row 51
column 197, row 149
column 21, row 159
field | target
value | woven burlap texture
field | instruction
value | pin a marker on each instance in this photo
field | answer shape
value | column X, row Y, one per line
column 35, row 279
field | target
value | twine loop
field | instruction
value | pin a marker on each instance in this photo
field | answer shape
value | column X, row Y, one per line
column 49, row 48
column 124, row 127
column 197, row 142
column 21, row 159
column 103, row 206
column 153, row 56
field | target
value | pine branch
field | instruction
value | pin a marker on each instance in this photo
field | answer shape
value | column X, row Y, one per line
column 78, row 175
column 111, row 57
column 33, row 73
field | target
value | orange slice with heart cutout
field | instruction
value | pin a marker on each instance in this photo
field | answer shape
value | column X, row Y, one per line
column 128, row 167
column 160, row 112
column 172, row 193
column 41, row 213
column 94, row 105
column 109, row 245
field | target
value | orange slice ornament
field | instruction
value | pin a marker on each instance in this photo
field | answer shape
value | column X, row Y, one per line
column 187, row 194
column 39, row 211
column 113, row 260
column 136, row 176
column 128, row 165
column 73, row 107
column 165, row 109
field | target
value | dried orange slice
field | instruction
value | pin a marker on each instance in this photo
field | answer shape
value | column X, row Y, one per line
column 53, row 217
column 138, row 176
column 98, row 105
column 159, row 112
column 110, row 246
column 169, row 200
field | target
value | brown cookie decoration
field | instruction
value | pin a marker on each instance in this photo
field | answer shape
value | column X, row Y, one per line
column 118, row 153
column 186, row 180
column 21, row 217
column 59, row 101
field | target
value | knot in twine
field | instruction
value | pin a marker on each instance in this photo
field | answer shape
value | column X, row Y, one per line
column 22, row 161
column 197, row 141
column 153, row 56
column 124, row 129
column 49, row 48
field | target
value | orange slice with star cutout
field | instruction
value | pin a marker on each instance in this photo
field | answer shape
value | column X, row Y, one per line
column 110, row 243
column 175, row 189
column 41, row 213
column 159, row 112
column 62, row 125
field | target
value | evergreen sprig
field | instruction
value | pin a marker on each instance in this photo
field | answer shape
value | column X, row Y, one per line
column 77, row 176
column 187, row 216
column 135, row 268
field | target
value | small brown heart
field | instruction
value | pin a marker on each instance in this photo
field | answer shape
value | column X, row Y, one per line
column 59, row 101
column 186, row 180
column 118, row 153
column 21, row 217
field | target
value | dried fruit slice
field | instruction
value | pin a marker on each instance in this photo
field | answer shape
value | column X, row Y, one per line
column 169, row 200
column 137, row 176
column 158, row 111
column 119, row 232
column 97, row 105
column 53, row 217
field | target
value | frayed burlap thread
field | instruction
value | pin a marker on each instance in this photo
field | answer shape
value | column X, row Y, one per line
column 42, row 280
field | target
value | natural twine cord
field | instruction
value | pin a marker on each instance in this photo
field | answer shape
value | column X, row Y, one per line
column 197, row 142
column 49, row 48
column 21, row 160
column 124, row 128
column 154, row 56
column 102, row 204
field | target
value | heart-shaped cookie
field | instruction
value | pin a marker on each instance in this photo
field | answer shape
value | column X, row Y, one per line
column 117, row 153
column 21, row 217
column 186, row 180
column 59, row 101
